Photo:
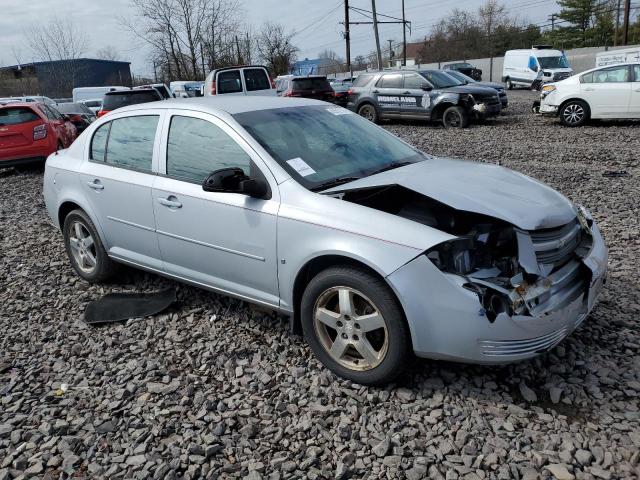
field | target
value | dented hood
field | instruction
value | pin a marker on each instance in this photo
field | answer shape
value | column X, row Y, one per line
column 478, row 187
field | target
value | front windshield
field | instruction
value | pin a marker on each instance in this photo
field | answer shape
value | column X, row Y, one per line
column 440, row 79
column 553, row 62
column 461, row 77
column 319, row 144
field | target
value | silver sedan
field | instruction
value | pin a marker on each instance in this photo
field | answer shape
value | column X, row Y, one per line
column 372, row 248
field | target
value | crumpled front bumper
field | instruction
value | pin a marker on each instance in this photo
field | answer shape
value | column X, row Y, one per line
column 448, row 321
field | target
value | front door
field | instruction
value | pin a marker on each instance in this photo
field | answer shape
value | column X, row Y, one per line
column 117, row 180
column 387, row 92
column 416, row 102
column 225, row 241
column 608, row 92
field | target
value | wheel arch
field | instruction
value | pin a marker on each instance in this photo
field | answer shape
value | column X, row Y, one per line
column 438, row 110
column 317, row 264
column 574, row 99
column 68, row 205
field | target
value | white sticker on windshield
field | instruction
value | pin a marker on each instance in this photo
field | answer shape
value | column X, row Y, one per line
column 300, row 166
column 339, row 111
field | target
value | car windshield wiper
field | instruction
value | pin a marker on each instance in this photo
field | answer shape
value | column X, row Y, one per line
column 390, row 166
column 333, row 183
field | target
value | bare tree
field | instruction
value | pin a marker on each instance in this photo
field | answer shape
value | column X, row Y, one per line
column 108, row 52
column 60, row 41
column 189, row 37
column 275, row 48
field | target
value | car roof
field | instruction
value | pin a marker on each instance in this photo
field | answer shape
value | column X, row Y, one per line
column 20, row 104
column 626, row 64
column 230, row 104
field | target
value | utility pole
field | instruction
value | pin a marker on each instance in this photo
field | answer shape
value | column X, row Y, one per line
column 390, row 53
column 627, row 11
column 248, row 49
column 238, row 50
column 553, row 17
column 375, row 31
column 347, row 38
column 404, row 38
column 615, row 35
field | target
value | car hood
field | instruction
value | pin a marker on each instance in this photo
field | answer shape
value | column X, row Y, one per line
column 480, row 188
column 472, row 89
column 490, row 85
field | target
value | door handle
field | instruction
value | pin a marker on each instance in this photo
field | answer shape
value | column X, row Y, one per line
column 376, row 91
column 589, row 89
column 96, row 185
column 171, row 202
column 406, row 93
column 637, row 90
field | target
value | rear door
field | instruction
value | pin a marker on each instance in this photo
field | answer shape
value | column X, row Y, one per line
column 415, row 102
column 388, row 92
column 634, row 104
column 257, row 81
column 608, row 91
column 229, row 82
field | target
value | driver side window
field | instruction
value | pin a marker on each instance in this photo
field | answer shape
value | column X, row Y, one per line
column 197, row 147
column 413, row 81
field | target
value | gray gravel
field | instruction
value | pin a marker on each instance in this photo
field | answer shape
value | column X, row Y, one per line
column 217, row 389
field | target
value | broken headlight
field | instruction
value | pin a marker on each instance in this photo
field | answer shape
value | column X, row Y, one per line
column 584, row 216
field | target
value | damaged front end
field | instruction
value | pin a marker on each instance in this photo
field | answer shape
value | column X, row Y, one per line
column 518, row 272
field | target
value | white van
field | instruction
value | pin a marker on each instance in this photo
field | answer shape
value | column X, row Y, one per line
column 616, row 57
column 245, row 80
column 91, row 93
column 522, row 67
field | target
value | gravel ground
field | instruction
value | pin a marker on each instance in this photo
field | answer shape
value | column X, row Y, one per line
column 215, row 388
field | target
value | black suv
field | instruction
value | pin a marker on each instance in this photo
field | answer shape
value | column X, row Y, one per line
column 122, row 98
column 466, row 68
column 423, row 95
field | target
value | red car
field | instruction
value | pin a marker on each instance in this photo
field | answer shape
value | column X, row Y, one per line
column 30, row 132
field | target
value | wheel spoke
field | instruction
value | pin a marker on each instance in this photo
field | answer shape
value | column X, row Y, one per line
column 90, row 259
column 364, row 348
column 370, row 322
column 338, row 348
column 88, row 242
column 345, row 301
column 327, row 317
column 78, row 230
column 74, row 243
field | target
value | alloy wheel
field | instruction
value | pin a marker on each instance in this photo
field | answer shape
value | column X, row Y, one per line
column 368, row 112
column 351, row 328
column 83, row 247
column 452, row 119
column 573, row 114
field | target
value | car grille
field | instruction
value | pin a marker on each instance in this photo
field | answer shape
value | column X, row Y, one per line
column 499, row 348
column 556, row 245
column 560, row 76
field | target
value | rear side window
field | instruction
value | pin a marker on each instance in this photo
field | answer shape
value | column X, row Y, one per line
column 229, row 82
column 130, row 142
column 390, row 81
column 16, row 116
column 50, row 113
column 311, row 84
column 587, row 78
column 362, row 80
column 197, row 147
column 117, row 100
column 99, row 143
column 611, row 75
column 256, row 79
column 636, row 73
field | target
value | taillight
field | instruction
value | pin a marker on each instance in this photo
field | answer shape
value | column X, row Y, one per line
column 350, row 91
column 102, row 112
column 39, row 132
column 213, row 87
column 273, row 84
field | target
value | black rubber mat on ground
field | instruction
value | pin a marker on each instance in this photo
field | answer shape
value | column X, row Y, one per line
column 117, row 307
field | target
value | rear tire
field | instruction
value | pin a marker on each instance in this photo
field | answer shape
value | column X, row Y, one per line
column 85, row 250
column 369, row 112
column 574, row 113
column 509, row 84
column 355, row 325
column 455, row 117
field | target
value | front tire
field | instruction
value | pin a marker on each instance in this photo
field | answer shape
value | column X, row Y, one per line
column 455, row 117
column 369, row 112
column 85, row 250
column 574, row 113
column 355, row 326
column 509, row 84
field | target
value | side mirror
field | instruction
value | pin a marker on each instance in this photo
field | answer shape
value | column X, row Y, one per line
column 426, row 87
column 234, row 180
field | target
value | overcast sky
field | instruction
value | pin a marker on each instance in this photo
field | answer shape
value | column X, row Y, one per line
column 316, row 20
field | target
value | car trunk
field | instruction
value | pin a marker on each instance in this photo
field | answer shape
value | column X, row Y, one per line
column 17, row 127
